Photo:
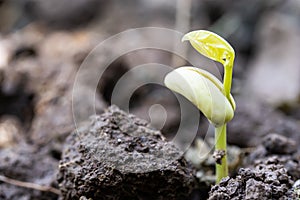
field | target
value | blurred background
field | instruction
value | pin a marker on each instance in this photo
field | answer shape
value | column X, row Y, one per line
column 43, row 43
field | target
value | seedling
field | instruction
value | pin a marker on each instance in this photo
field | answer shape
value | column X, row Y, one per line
column 206, row 92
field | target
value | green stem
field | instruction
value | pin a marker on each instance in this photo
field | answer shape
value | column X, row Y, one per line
column 227, row 78
column 220, row 132
column 220, row 138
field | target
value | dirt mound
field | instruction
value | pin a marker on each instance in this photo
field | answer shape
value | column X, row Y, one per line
column 118, row 156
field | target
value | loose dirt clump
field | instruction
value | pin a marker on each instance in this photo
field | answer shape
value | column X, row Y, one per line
column 118, row 156
column 280, row 149
column 271, row 171
column 268, row 180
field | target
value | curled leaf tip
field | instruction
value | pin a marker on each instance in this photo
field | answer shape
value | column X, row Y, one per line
column 185, row 38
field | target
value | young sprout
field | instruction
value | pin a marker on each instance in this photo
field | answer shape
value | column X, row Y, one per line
column 206, row 92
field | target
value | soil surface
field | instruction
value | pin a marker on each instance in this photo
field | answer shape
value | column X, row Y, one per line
column 254, row 120
column 118, row 156
column 279, row 148
column 29, row 164
column 271, row 171
column 267, row 180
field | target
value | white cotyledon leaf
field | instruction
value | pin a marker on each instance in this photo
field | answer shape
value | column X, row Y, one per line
column 204, row 90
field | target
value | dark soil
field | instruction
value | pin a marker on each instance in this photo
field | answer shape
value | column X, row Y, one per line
column 118, row 156
column 267, row 180
column 271, row 171
column 31, row 164
column 254, row 120
column 279, row 148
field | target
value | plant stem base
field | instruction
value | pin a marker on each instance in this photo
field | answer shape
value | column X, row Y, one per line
column 220, row 137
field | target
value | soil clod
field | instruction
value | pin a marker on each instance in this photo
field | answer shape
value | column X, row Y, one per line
column 279, row 144
column 118, row 156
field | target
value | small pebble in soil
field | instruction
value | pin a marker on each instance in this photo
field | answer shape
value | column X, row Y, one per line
column 218, row 155
column 118, row 156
